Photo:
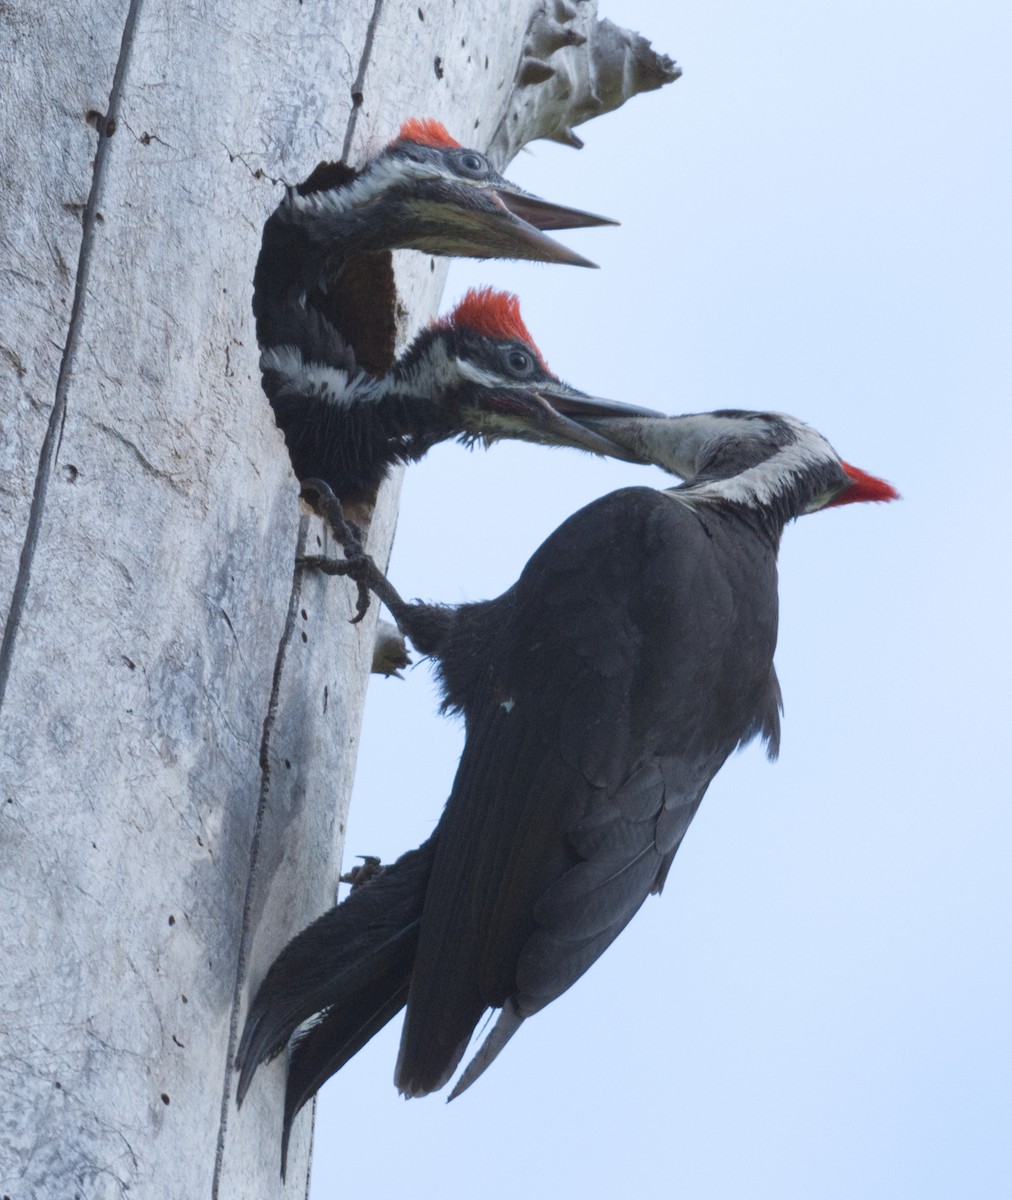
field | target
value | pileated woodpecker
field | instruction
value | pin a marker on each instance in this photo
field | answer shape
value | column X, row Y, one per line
column 424, row 191
column 601, row 694
column 476, row 375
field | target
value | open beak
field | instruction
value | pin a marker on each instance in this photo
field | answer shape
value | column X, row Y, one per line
column 554, row 416
column 544, row 215
column 505, row 234
column 574, row 417
column 495, row 221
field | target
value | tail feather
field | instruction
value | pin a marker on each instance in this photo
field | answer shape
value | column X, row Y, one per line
column 340, row 1033
column 350, row 962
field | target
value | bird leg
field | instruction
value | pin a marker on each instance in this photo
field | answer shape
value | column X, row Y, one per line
column 320, row 496
column 356, row 564
column 427, row 625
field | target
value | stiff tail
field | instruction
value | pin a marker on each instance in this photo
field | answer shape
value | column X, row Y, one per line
column 340, row 1032
column 353, row 965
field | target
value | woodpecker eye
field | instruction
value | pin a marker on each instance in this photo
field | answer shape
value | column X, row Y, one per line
column 518, row 361
column 472, row 163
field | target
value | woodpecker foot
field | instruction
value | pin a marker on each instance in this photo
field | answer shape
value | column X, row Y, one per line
column 356, row 564
column 356, row 568
column 320, row 496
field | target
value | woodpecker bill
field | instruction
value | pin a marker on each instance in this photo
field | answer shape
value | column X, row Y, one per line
column 425, row 192
column 475, row 375
column 601, row 695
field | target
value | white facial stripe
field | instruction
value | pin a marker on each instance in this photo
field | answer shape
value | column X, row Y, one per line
column 436, row 371
column 476, row 375
column 374, row 180
column 682, row 444
column 767, row 480
column 763, row 483
column 332, row 384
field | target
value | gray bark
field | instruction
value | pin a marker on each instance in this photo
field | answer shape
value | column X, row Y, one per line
column 179, row 708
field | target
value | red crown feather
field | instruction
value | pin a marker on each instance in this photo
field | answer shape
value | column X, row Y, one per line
column 492, row 314
column 426, row 133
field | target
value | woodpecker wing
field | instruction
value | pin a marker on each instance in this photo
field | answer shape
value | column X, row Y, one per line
column 619, row 673
column 314, row 337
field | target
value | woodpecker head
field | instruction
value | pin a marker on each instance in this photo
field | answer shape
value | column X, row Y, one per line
column 491, row 382
column 758, row 459
column 426, row 192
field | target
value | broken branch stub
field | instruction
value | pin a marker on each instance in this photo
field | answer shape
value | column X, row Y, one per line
column 574, row 67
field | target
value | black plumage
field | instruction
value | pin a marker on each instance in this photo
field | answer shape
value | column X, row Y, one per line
column 601, row 695
column 326, row 247
column 475, row 375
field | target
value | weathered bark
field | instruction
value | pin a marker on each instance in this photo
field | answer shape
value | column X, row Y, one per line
column 178, row 711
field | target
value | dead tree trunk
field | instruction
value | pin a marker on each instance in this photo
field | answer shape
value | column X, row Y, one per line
column 179, row 708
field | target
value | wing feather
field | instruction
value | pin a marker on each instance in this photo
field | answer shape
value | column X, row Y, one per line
column 590, row 744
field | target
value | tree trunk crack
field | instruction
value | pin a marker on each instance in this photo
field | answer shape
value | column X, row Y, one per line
column 246, row 935
column 359, row 84
column 54, row 431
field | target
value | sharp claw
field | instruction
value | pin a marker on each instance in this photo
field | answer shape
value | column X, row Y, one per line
column 357, row 564
column 320, row 495
column 362, row 604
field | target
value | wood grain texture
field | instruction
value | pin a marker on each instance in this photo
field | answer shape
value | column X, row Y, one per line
column 181, row 709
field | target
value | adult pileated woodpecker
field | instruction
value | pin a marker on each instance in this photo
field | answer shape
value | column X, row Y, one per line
column 476, row 375
column 601, row 694
column 423, row 192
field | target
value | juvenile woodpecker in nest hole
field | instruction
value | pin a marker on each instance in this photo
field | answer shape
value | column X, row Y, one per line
column 326, row 248
column 475, row 375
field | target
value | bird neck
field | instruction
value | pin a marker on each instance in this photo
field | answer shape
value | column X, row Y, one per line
column 308, row 241
column 766, row 464
column 795, row 479
column 348, row 427
column 427, row 375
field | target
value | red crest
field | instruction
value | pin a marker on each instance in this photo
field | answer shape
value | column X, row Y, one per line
column 495, row 315
column 427, row 133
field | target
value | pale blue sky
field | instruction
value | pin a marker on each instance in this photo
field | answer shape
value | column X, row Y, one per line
column 815, row 218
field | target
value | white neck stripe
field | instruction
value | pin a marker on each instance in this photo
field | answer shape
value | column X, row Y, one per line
column 381, row 174
column 332, row 384
column 765, row 482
